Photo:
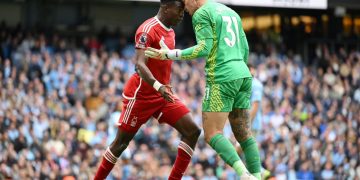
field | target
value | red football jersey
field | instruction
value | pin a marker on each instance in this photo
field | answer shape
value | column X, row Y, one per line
column 149, row 34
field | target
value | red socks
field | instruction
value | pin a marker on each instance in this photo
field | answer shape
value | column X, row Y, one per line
column 107, row 163
column 182, row 161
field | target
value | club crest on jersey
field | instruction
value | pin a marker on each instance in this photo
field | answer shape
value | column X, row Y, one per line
column 133, row 121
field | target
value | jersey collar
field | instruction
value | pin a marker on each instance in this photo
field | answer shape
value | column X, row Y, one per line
column 162, row 25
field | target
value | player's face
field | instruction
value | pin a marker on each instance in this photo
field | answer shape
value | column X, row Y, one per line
column 190, row 6
column 175, row 13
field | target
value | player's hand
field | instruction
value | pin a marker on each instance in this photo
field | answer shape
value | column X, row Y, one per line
column 158, row 53
column 166, row 92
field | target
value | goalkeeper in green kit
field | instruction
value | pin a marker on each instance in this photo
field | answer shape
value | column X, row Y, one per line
column 221, row 39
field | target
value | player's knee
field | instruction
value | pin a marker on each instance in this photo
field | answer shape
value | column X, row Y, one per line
column 209, row 135
column 196, row 133
column 118, row 147
column 193, row 134
column 207, row 138
column 243, row 134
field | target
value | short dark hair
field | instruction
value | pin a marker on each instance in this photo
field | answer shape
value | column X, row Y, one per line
column 168, row 1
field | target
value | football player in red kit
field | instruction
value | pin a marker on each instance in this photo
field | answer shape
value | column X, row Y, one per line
column 148, row 93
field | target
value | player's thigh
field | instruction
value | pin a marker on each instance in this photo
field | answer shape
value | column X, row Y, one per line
column 213, row 123
column 178, row 116
column 219, row 97
column 240, row 123
column 187, row 127
column 189, row 131
column 171, row 113
column 136, row 112
column 242, row 98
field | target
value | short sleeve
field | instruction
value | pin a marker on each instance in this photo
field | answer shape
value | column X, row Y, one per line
column 257, row 93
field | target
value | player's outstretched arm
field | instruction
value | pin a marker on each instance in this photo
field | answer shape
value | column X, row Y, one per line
column 204, row 38
column 164, row 53
column 202, row 49
column 205, row 35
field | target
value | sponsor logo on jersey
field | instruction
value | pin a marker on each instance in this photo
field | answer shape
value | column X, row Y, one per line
column 142, row 41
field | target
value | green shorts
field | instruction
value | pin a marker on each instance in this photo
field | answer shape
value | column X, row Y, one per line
column 225, row 96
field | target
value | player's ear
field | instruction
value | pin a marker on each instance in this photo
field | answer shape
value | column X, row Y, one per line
column 166, row 9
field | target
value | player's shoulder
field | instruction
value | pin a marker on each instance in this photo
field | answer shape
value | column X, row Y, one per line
column 211, row 8
column 220, row 9
column 211, row 5
column 147, row 26
column 203, row 10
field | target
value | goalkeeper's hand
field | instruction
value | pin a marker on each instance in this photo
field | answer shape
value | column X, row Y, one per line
column 164, row 53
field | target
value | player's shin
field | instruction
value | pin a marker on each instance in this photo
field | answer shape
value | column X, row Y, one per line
column 107, row 163
column 228, row 153
column 182, row 161
column 252, row 156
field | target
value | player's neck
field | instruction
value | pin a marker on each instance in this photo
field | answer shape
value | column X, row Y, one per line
column 163, row 20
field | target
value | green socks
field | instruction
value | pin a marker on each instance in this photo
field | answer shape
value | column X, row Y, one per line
column 252, row 156
column 239, row 167
column 228, row 153
column 257, row 175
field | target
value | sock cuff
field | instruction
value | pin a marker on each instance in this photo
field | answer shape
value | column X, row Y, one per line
column 239, row 164
column 239, row 167
column 109, row 156
column 249, row 141
column 186, row 148
column 215, row 139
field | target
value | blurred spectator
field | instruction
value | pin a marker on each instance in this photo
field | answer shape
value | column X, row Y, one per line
column 60, row 103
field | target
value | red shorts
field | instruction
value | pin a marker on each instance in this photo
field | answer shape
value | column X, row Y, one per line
column 136, row 112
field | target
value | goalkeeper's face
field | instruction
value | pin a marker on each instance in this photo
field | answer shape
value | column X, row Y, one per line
column 191, row 6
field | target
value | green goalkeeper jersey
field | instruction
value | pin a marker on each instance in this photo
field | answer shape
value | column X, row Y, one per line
column 221, row 38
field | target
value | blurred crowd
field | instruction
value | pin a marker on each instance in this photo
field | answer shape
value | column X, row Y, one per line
column 60, row 100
